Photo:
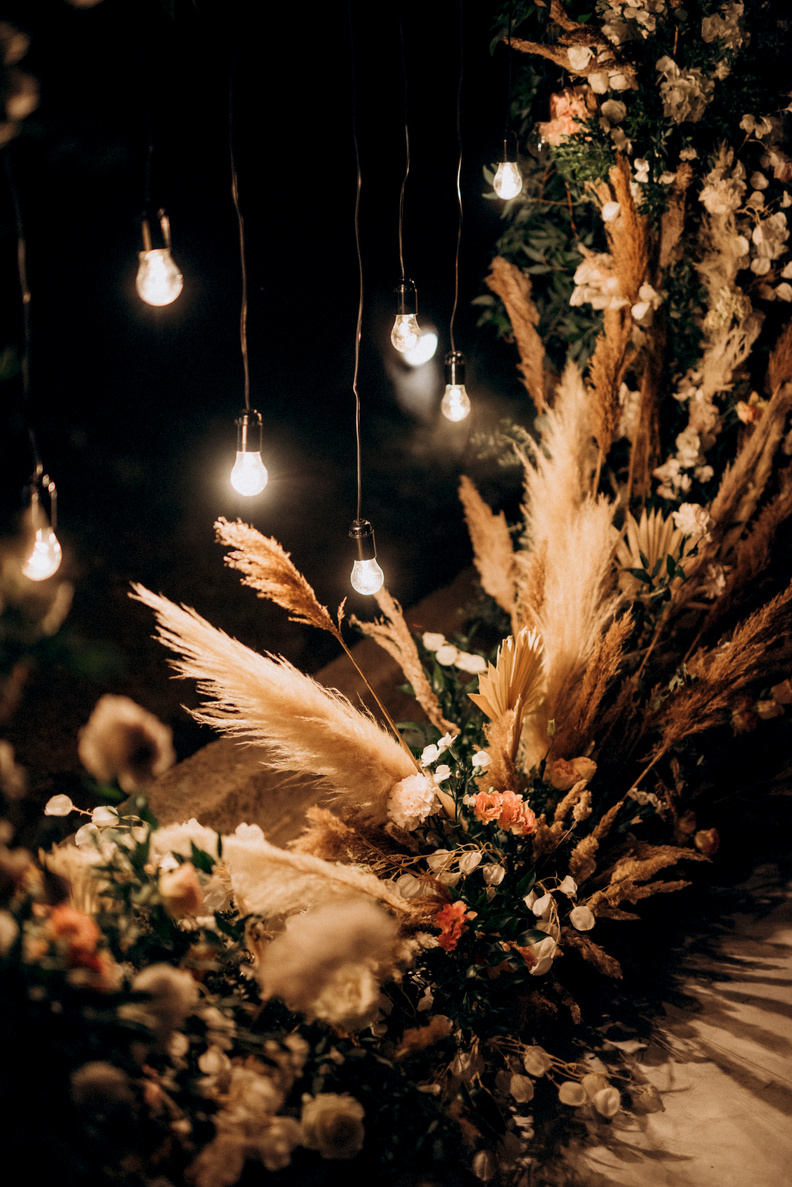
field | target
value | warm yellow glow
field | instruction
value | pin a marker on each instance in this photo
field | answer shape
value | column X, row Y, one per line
column 249, row 475
column 508, row 181
column 406, row 333
column 45, row 556
column 424, row 351
column 367, row 576
column 159, row 281
column 455, row 404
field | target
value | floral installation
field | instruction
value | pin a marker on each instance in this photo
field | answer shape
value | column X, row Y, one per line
column 414, row 987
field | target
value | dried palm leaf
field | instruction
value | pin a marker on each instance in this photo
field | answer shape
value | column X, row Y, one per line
column 298, row 724
column 268, row 569
column 513, row 286
column 277, row 882
column 514, row 684
column 393, row 636
column 493, row 554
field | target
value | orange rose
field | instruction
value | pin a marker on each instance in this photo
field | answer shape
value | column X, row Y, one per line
column 487, row 806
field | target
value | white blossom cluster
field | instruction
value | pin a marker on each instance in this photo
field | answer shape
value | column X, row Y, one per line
column 724, row 185
column 688, row 462
column 596, row 283
column 600, row 81
column 725, row 26
column 685, row 93
column 630, row 20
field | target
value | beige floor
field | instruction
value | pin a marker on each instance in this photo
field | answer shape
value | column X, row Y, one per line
column 727, row 1086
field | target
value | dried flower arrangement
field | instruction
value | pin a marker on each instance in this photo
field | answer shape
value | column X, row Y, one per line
column 389, row 988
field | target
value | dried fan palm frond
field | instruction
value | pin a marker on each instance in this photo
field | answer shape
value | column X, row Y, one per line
column 268, row 569
column 646, row 544
column 277, row 882
column 393, row 635
column 514, row 684
column 513, row 286
column 493, row 554
column 298, row 724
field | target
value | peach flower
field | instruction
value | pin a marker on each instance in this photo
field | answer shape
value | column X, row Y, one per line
column 568, row 113
column 487, row 806
column 451, row 920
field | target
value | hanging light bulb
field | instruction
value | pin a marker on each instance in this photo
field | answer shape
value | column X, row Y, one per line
column 455, row 404
column 406, row 333
column 425, row 349
column 159, row 281
column 508, row 181
column 45, row 556
column 367, row 576
column 249, row 475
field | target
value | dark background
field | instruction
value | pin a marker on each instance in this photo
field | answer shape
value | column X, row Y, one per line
column 134, row 406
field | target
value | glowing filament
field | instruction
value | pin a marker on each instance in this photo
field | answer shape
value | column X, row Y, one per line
column 249, row 475
column 406, row 333
column 45, row 557
column 367, row 576
column 455, row 404
column 508, row 181
column 159, row 281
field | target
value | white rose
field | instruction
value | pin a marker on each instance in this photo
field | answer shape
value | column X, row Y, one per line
column 333, row 1125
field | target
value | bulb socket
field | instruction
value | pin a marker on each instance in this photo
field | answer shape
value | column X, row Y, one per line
column 164, row 224
column 408, row 297
column 362, row 533
column 41, row 485
column 455, row 368
column 250, row 431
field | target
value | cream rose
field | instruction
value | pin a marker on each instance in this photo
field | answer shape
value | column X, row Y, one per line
column 333, row 1125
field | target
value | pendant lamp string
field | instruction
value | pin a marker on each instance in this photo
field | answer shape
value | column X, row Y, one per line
column 507, row 120
column 459, row 175
column 243, row 311
column 406, row 140
column 24, row 290
column 359, row 326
